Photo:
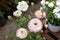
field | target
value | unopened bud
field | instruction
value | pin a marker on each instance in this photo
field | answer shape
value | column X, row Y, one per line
column 9, row 17
column 32, row 3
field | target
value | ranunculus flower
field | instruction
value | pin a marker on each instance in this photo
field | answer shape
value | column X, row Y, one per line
column 21, row 33
column 17, row 13
column 23, row 6
column 35, row 25
column 39, row 14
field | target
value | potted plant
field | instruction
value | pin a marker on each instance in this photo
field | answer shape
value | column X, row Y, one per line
column 2, row 19
column 53, row 14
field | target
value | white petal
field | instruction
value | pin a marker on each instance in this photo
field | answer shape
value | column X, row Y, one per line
column 23, row 6
column 17, row 13
column 51, row 4
column 20, row 34
column 47, row 2
column 58, row 3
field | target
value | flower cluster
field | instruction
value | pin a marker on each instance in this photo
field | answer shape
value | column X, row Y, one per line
column 29, row 30
column 53, row 9
column 22, row 6
column 34, row 25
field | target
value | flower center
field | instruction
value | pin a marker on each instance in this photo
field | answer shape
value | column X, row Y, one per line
column 17, row 12
column 21, row 31
column 22, row 6
column 35, row 23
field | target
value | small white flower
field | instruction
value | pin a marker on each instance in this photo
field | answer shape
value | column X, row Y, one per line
column 51, row 4
column 47, row 2
column 57, row 15
column 58, row 3
column 56, row 10
column 17, row 13
column 21, row 33
column 35, row 25
column 58, row 0
column 23, row 6
column 41, row 8
column 42, row 2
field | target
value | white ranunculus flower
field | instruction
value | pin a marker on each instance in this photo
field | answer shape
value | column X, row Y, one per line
column 51, row 4
column 23, row 6
column 17, row 13
column 21, row 33
column 47, row 2
column 56, row 10
column 58, row 3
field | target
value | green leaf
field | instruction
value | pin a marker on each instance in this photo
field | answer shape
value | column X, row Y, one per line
column 16, row 1
column 1, row 14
